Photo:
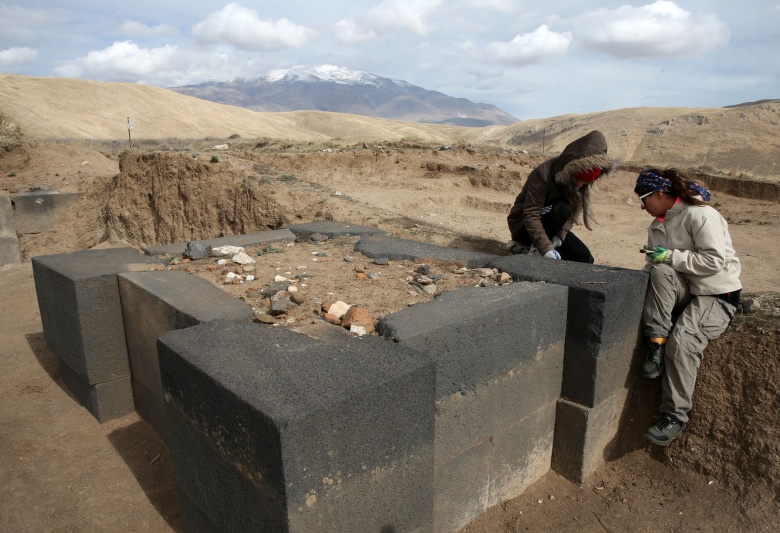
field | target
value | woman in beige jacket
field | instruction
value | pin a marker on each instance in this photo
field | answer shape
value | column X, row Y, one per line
column 693, row 293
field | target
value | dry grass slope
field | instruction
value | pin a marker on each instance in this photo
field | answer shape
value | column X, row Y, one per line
column 740, row 142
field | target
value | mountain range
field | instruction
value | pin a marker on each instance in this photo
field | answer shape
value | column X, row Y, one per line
column 341, row 90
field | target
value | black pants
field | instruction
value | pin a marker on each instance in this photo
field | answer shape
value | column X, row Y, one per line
column 554, row 216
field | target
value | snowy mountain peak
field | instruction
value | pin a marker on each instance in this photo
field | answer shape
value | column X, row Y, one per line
column 331, row 73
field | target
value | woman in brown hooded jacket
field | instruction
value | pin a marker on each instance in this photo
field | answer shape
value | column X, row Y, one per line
column 554, row 196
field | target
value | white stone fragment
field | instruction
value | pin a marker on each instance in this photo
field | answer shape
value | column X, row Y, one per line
column 250, row 277
column 279, row 278
column 359, row 330
column 243, row 259
column 338, row 308
column 226, row 250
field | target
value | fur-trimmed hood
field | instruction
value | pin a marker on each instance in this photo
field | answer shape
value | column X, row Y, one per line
column 585, row 153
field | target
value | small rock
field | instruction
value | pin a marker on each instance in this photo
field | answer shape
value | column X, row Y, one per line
column 357, row 316
column 282, row 306
column 358, row 330
column 273, row 289
column 423, row 270
column 338, row 308
column 298, row 298
column 226, row 250
column 330, row 318
column 197, row 250
column 249, row 268
column 430, row 289
column 381, row 261
column 504, row 278
column 243, row 259
column 317, row 237
column 485, row 272
column 264, row 318
column 279, row 295
column 750, row 305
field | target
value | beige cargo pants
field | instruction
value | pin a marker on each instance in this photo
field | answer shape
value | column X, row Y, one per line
column 701, row 319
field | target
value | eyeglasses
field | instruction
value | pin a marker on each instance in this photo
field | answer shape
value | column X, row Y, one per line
column 642, row 198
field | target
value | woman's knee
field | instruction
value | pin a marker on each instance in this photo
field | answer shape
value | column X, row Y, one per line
column 661, row 274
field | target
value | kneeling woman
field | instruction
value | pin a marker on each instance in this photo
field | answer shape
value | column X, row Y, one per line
column 554, row 196
column 694, row 289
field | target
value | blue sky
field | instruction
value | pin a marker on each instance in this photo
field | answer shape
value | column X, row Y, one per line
column 532, row 59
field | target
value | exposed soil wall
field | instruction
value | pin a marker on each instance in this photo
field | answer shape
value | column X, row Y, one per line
column 162, row 198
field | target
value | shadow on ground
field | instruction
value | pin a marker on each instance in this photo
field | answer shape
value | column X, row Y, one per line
column 150, row 461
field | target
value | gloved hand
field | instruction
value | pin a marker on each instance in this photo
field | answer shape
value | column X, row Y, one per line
column 659, row 255
column 552, row 254
column 556, row 241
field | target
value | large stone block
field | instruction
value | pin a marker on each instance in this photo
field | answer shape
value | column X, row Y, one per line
column 38, row 211
column 395, row 249
column 495, row 469
column 272, row 430
column 603, row 322
column 154, row 303
column 105, row 401
column 244, row 240
column 586, row 436
column 9, row 243
column 331, row 229
column 498, row 353
column 78, row 297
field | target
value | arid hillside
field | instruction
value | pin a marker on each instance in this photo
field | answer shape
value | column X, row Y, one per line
column 739, row 142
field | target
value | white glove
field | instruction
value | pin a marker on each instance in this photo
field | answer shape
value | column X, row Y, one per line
column 556, row 242
column 552, row 254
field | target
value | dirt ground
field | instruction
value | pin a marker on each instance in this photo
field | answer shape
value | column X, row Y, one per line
column 62, row 471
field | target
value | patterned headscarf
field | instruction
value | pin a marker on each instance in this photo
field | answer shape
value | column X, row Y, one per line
column 649, row 181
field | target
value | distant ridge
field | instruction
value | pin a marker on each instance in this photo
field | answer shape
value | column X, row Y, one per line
column 341, row 90
column 745, row 104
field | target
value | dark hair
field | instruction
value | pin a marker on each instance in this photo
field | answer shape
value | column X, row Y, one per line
column 681, row 185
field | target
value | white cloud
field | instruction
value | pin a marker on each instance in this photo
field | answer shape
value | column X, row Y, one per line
column 502, row 6
column 134, row 28
column 19, row 23
column 165, row 66
column 659, row 29
column 347, row 32
column 408, row 14
column 243, row 28
column 13, row 57
column 530, row 48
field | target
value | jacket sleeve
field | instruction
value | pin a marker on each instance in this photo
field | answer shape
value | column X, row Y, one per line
column 709, row 254
column 532, row 213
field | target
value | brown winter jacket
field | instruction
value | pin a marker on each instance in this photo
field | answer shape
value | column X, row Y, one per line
column 551, row 181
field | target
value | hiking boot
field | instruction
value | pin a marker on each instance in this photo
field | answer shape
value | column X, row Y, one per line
column 654, row 361
column 518, row 248
column 665, row 430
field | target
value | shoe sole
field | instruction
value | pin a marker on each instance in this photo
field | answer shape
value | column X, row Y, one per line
column 663, row 443
column 652, row 375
